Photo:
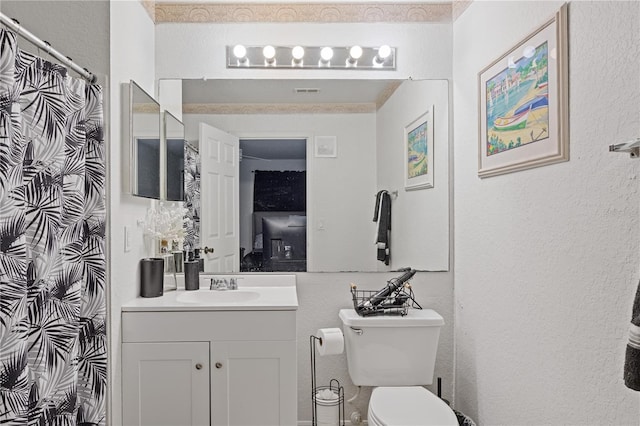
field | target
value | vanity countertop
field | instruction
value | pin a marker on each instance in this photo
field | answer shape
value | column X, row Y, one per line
column 254, row 293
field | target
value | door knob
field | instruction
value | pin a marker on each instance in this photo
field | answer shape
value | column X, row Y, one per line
column 208, row 250
column 198, row 366
column 218, row 365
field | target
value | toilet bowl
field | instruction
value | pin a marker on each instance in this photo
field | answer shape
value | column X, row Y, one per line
column 408, row 406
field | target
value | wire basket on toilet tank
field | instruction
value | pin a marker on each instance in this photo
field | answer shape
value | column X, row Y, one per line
column 395, row 298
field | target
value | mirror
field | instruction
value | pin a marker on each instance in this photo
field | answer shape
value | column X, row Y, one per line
column 144, row 131
column 353, row 134
column 174, row 177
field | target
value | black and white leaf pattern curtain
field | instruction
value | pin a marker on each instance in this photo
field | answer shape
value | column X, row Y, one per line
column 191, row 198
column 53, row 343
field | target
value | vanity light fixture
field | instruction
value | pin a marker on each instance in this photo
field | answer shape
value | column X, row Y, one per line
column 312, row 57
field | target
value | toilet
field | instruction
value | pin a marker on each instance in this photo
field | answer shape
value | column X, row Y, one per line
column 396, row 354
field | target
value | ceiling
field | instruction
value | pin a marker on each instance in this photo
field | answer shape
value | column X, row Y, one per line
column 284, row 91
column 331, row 92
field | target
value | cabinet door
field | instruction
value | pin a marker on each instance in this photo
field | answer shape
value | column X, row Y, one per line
column 253, row 383
column 165, row 384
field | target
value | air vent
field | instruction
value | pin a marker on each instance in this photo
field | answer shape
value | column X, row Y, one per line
column 306, row 90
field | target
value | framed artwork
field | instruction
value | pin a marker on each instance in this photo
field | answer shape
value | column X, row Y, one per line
column 523, row 103
column 418, row 152
column 326, row 146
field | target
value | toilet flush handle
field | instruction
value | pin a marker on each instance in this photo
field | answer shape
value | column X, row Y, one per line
column 358, row 331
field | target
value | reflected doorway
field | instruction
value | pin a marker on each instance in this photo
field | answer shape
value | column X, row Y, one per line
column 273, row 205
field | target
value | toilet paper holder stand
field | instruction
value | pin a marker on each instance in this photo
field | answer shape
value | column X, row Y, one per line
column 334, row 388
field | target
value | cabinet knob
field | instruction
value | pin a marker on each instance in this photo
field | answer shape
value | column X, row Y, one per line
column 208, row 250
column 218, row 365
column 198, row 366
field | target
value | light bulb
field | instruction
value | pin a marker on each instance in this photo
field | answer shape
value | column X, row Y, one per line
column 384, row 51
column 239, row 51
column 297, row 53
column 355, row 52
column 326, row 54
column 269, row 52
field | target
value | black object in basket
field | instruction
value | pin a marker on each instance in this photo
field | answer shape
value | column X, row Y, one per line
column 393, row 299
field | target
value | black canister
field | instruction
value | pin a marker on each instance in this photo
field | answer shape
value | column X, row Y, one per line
column 151, row 277
column 191, row 275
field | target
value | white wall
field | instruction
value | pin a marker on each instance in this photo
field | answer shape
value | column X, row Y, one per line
column 132, row 58
column 547, row 259
column 340, row 191
column 420, row 219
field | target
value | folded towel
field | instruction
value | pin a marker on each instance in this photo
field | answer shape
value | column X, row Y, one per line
column 632, row 356
column 382, row 215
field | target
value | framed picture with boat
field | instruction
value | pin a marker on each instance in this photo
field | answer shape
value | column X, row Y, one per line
column 523, row 103
column 418, row 152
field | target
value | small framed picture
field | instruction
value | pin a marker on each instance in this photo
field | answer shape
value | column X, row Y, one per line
column 523, row 99
column 326, row 146
column 418, row 152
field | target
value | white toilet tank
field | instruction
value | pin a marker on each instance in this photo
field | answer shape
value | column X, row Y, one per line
column 391, row 350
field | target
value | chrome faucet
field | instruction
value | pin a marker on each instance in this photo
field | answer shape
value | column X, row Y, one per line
column 223, row 284
column 219, row 284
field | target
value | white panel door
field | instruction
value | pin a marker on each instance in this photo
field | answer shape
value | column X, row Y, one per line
column 165, row 384
column 219, row 195
column 253, row 383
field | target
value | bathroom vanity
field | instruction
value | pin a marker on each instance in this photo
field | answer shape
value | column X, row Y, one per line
column 212, row 357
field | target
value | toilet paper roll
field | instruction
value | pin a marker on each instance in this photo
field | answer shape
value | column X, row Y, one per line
column 331, row 343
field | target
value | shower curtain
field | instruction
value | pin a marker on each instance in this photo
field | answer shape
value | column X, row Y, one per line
column 53, row 343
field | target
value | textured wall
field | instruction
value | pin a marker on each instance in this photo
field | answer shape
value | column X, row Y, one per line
column 80, row 31
column 547, row 259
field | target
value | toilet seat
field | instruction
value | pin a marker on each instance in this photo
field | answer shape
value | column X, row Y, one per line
column 408, row 406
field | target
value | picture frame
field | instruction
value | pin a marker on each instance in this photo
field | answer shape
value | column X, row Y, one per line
column 523, row 103
column 418, row 152
column 326, row 146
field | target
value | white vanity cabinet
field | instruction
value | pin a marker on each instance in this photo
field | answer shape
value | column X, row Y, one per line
column 209, row 367
column 165, row 383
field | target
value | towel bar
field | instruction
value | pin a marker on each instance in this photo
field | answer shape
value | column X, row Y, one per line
column 632, row 147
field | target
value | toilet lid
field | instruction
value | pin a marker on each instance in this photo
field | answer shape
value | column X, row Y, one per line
column 409, row 406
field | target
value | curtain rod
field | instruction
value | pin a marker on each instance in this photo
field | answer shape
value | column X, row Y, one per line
column 15, row 26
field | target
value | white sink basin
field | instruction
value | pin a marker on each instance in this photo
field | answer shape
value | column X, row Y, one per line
column 213, row 296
